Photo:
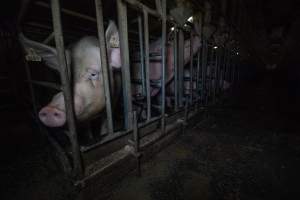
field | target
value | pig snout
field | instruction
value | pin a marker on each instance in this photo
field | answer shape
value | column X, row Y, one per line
column 52, row 117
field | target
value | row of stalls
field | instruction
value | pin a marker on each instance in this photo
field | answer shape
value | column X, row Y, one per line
column 155, row 37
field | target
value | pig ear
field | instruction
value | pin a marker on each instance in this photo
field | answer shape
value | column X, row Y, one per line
column 47, row 53
column 113, row 45
column 112, row 35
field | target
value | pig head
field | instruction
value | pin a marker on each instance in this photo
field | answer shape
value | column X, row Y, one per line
column 83, row 60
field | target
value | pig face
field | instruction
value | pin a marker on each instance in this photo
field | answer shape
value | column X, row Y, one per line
column 88, row 87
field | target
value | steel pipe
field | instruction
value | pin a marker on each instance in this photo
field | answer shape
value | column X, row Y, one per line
column 65, row 80
column 104, row 64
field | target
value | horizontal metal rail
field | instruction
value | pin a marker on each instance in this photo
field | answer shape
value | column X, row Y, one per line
column 46, row 84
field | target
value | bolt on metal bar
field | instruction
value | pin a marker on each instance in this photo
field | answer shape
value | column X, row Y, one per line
column 180, row 66
column 175, row 53
column 65, row 80
column 163, row 70
column 191, row 68
column 123, row 31
column 142, row 55
column 104, row 64
column 147, row 64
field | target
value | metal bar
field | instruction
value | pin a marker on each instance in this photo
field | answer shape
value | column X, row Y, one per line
column 49, row 38
column 191, row 68
column 104, row 65
column 65, row 80
column 197, row 75
column 210, row 71
column 136, row 141
column 158, row 7
column 180, row 66
column 175, row 53
column 163, row 70
column 68, row 12
column 46, row 84
column 147, row 64
column 123, row 30
column 204, row 59
column 142, row 55
column 215, row 75
column 139, row 6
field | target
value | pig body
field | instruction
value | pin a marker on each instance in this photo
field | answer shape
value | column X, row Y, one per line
column 83, row 60
column 155, row 66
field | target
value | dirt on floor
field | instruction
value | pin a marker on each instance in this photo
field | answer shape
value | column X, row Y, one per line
column 247, row 148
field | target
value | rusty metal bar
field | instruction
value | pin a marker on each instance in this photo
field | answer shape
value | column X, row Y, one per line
column 65, row 80
column 104, row 65
column 123, row 30
column 147, row 64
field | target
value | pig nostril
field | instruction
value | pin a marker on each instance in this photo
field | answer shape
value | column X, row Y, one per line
column 56, row 114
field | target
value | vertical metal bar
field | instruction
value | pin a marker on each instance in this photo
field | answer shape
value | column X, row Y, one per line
column 136, row 141
column 123, row 31
column 215, row 74
column 204, row 67
column 175, row 53
column 104, row 65
column 65, row 80
column 180, row 65
column 142, row 55
column 191, row 68
column 147, row 64
column 163, row 70
column 211, row 56
column 198, row 74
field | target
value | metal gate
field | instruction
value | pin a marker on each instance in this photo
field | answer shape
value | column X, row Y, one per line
column 209, row 69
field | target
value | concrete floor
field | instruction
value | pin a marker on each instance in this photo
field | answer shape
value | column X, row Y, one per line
column 250, row 149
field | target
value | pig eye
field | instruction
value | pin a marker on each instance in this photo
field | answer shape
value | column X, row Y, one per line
column 93, row 74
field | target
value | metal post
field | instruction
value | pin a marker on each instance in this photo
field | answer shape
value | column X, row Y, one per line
column 163, row 70
column 204, row 67
column 123, row 31
column 180, row 65
column 142, row 72
column 136, row 141
column 104, row 65
column 175, row 53
column 216, row 81
column 210, row 71
column 191, row 68
column 65, row 80
column 147, row 64
column 197, row 77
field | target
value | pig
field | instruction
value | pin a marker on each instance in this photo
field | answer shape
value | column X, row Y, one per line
column 83, row 60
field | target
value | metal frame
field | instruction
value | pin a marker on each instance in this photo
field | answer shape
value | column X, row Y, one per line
column 131, row 126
